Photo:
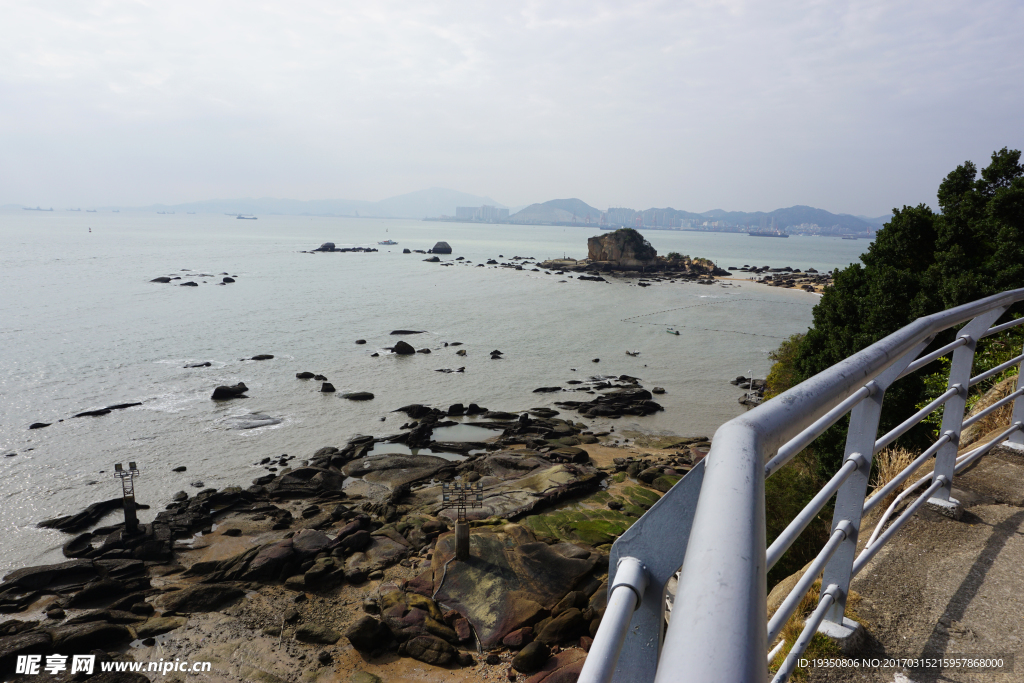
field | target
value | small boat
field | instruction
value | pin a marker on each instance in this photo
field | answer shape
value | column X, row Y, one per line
column 246, row 218
column 676, row 332
column 632, row 353
column 388, row 242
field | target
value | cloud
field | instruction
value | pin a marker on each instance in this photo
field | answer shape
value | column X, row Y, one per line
column 852, row 106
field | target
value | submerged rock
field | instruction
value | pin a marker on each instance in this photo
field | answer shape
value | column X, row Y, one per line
column 403, row 348
column 223, row 393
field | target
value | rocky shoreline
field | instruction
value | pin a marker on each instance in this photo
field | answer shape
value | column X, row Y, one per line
column 339, row 567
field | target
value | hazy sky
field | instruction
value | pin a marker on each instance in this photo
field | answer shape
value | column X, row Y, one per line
column 853, row 107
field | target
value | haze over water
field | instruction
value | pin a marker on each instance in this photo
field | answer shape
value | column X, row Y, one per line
column 81, row 327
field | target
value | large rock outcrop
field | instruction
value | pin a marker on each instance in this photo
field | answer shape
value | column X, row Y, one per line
column 625, row 248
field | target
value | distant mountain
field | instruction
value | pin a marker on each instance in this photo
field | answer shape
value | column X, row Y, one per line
column 424, row 203
column 879, row 221
column 794, row 215
column 557, row 211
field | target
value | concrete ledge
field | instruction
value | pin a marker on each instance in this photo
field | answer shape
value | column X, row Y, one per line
column 849, row 635
column 950, row 508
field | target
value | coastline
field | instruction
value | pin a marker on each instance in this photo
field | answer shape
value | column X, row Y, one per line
column 197, row 597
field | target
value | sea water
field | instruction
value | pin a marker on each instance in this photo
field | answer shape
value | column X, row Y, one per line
column 82, row 327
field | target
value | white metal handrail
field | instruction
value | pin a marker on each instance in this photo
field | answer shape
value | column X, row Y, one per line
column 711, row 525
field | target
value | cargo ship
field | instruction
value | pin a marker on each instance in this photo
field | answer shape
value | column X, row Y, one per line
column 767, row 233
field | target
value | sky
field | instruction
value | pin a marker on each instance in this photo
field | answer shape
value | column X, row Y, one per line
column 854, row 107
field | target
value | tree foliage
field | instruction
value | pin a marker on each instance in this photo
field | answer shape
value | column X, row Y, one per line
column 920, row 263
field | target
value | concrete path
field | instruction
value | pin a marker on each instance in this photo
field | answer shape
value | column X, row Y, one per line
column 950, row 587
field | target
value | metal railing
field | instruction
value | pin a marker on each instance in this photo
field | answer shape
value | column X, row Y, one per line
column 710, row 527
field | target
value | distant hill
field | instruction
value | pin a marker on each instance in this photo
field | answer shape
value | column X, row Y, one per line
column 557, row 211
column 794, row 215
column 421, row 204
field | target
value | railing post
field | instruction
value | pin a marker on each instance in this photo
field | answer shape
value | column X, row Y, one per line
column 860, row 443
column 953, row 412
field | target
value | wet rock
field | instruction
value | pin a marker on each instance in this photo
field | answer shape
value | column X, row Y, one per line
column 403, row 348
column 227, row 280
column 262, row 356
column 319, row 378
column 358, row 396
column 432, row 259
column 200, row 365
column 360, row 341
column 658, row 390
column 163, row 280
column 223, row 393
column 188, row 284
column 531, row 658
column 87, row 517
column 441, row 248
column 407, row 331
column 303, row 375
column 79, row 546
column 396, row 469
column 179, row 468
column 423, row 350
column 327, row 388
column 39, row 425
column 546, row 390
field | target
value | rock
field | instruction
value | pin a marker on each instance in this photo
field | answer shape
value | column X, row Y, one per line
column 326, row 246
column 456, row 409
column 158, row 625
column 232, row 532
column 28, row 643
column 55, row 613
column 250, row 421
column 360, row 341
column 596, row 360
column 493, row 660
column 87, row 517
column 407, row 331
column 569, row 625
column 314, row 633
column 319, row 378
column 78, row 546
column 188, row 284
column 228, row 280
column 424, row 350
column 396, row 469
column 324, row 657
column 78, row 638
column 430, row 649
column 163, row 280
column 531, row 657
column 39, row 425
column 441, row 248
column 224, row 393
column 432, row 259
column 327, row 388
column 200, row 365
column 368, row 634
column 462, row 629
column 564, row 667
column 179, row 468
column 262, row 356
column 303, row 375
column 358, row 396
column 518, row 638
column 460, row 352
column 546, row 390
column 208, row 597
column 402, row 348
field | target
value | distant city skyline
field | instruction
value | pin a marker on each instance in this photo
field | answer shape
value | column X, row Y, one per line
column 856, row 107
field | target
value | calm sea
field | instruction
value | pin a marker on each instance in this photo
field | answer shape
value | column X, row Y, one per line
column 81, row 327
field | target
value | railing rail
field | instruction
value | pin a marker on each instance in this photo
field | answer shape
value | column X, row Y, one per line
column 711, row 525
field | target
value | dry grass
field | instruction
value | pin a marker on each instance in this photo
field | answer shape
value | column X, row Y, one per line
column 1000, row 419
column 889, row 463
column 821, row 646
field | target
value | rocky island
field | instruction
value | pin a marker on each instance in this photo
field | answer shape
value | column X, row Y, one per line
column 626, row 251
